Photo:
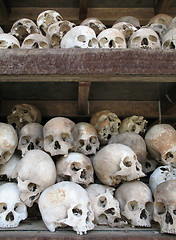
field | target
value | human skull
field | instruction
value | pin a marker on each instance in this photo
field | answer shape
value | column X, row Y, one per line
column 94, row 23
column 56, row 32
column 106, row 124
column 161, row 19
column 134, row 123
column 46, row 18
column 136, row 203
column 34, row 41
column 66, row 204
column 60, row 136
column 145, row 38
column 35, row 172
column 76, row 167
column 87, row 142
column 1, row 30
column 172, row 24
column 169, row 40
column 161, row 143
column 7, row 41
column 22, row 28
column 8, row 142
column 23, row 114
column 150, row 164
column 116, row 162
column 160, row 29
column 80, row 37
column 105, row 206
column 111, row 38
column 129, row 19
column 30, row 137
column 165, row 206
column 127, row 29
column 12, row 209
column 161, row 174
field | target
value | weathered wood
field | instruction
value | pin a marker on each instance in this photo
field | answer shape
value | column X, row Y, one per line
column 162, row 6
column 83, row 95
column 82, row 9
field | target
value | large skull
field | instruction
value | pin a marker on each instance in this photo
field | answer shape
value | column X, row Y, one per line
column 35, row 40
column 136, row 203
column 30, row 137
column 80, row 37
column 165, row 206
column 75, row 167
column 145, row 38
column 161, row 143
column 111, row 38
column 7, row 41
column 66, row 203
column 169, row 40
column 94, row 23
column 35, row 172
column 87, row 142
column 127, row 29
column 117, row 162
column 60, row 136
column 12, row 209
column 107, row 124
column 8, row 142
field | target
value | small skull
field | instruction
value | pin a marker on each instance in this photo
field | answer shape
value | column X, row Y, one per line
column 75, row 167
column 95, row 24
column 127, row 29
column 12, row 209
column 106, row 124
column 129, row 19
column 169, row 40
column 34, row 41
column 136, row 203
column 7, row 41
column 30, row 137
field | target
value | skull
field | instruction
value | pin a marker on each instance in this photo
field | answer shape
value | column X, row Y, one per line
column 165, row 206
column 172, row 24
column 23, row 114
column 135, row 124
column 169, row 40
column 111, row 38
column 127, row 29
column 30, row 137
column 161, row 143
column 105, row 206
column 56, row 32
column 94, row 23
column 106, row 124
column 161, row 174
column 12, row 209
column 76, row 167
column 22, row 28
column 149, row 165
column 145, row 38
column 136, row 203
column 8, row 142
column 7, row 41
column 129, row 19
column 46, row 18
column 160, row 29
column 35, row 40
column 66, row 204
column 87, row 142
column 80, row 37
column 1, row 30
column 116, row 162
column 161, row 19
column 35, row 172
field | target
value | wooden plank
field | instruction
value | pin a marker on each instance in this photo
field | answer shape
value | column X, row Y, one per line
column 162, row 6
column 82, row 9
column 83, row 95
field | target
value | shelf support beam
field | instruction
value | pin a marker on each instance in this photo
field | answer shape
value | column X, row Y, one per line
column 82, row 9
column 162, row 6
column 83, row 96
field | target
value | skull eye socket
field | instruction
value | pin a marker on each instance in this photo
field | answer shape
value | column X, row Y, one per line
column 168, row 156
column 149, row 207
column 19, row 207
column 127, row 162
column 65, row 137
column 102, row 201
column 6, row 155
column 49, row 139
column 43, row 44
column 119, row 40
column 93, row 139
column 56, row 39
column 153, row 38
column 25, row 140
column 81, row 38
column 133, row 206
column 28, row 42
column 39, row 142
column 102, row 118
column 112, row 117
column 136, row 39
column 3, row 43
column 32, row 187
column 160, row 208
column 3, row 207
column 81, row 143
column 76, row 211
column 75, row 167
column 93, row 42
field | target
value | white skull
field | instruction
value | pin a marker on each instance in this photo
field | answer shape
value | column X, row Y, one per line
column 106, row 124
column 76, row 167
column 136, row 203
column 134, row 123
column 35, row 172
column 8, row 142
column 46, row 18
column 145, row 38
column 23, row 114
column 30, row 137
column 160, row 29
column 161, row 19
column 172, row 24
column 129, row 19
column 161, row 143
column 105, row 206
column 66, row 204
column 34, row 41
column 94, row 23
column 161, row 174
column 116, row 162
column 59, row 136
column 127, row 29
column 22, row 28
column 165, row 206
column 7, row 41
column 87, row 142
column 80, row 37
column 1, row 30
column 111, row 38
column 12, row 209
column 169, row 40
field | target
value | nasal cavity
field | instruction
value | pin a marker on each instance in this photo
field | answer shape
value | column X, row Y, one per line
column 57, row 145
column 30, row 146
column 169, row 218
column 10, row 217
column 143, row 214
column 144, row 41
